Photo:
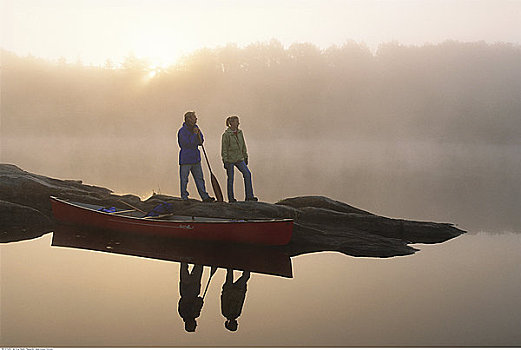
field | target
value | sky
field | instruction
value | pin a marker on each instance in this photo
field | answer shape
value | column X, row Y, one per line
column 161, row 31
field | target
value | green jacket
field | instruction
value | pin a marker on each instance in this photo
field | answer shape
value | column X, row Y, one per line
column 233, row 147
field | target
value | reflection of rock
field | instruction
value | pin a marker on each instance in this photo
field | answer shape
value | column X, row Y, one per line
column 321, row 224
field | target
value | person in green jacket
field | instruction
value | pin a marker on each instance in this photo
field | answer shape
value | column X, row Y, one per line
column 234, row 154
column 232, row 298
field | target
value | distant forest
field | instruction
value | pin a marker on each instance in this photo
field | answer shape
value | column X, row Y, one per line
column 449, row 92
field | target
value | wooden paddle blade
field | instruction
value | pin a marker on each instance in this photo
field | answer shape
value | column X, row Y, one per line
column 216, row 189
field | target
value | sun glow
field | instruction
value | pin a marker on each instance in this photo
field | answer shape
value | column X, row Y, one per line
column 155, row 69
column 157, row 49
column 94, row 32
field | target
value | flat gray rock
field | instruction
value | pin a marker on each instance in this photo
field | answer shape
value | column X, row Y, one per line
column 321, row 223
column 19, row 222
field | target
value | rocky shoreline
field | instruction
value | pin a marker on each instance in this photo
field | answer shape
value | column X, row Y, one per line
column 321, row 223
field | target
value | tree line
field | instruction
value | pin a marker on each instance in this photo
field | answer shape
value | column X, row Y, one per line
column 448, row 92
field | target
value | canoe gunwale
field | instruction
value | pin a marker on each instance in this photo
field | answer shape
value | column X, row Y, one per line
column 268, row 232
column 218, row 221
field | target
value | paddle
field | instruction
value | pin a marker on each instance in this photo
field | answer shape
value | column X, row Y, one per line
column 133, row 207
column 215, row 183
column 157, row 216
column 212, row 272
column 123, row 211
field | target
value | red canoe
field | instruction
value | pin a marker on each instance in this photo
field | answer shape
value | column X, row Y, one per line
column 260, row 231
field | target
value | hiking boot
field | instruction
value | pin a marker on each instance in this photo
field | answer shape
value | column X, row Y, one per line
column 233, row 200
column 209, row 200
column 253, row 199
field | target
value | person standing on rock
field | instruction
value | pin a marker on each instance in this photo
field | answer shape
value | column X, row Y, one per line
column 234, row 154
column 190, row 138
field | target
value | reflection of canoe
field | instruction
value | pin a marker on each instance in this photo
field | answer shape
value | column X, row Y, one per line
column 262, row 232
column 266, row 260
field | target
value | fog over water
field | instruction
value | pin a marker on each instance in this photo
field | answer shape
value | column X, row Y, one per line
column 422, row 132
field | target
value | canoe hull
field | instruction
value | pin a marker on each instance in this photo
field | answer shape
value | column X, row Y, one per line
column 260, row 232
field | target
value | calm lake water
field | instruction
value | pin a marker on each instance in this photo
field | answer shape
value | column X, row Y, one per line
column 464, row 292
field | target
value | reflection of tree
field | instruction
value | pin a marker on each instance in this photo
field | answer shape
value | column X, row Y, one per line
column 191, row 303
column 232, row 298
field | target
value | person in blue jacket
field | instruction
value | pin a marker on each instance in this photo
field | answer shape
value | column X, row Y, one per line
column 191, row 303
column 190, row 138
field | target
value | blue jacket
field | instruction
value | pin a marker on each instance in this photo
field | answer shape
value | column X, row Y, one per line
column 189, row 143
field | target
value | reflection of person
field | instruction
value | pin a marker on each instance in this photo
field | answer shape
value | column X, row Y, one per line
column 234, row 154
column 190, row 138
column 191, row 303
column 232, row 298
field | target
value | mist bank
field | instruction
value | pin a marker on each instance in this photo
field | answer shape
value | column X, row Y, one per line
column 450, row 92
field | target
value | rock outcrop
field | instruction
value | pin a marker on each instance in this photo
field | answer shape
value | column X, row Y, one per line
column 321, row 224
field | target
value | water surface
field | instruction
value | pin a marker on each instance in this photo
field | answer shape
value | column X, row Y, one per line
column 464, row 292
column 460, row 293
